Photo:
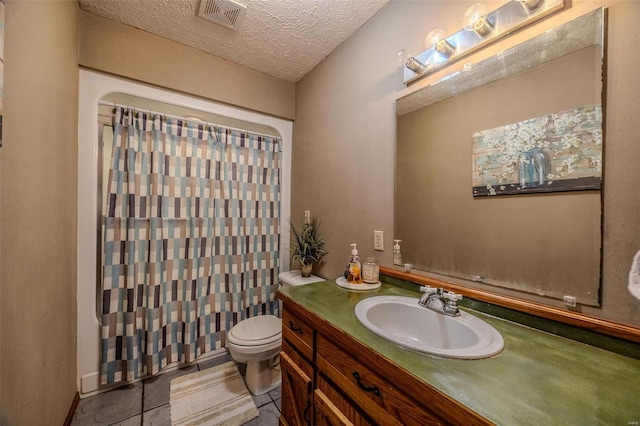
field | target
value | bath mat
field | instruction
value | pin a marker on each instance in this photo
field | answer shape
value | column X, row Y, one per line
column 215, row 396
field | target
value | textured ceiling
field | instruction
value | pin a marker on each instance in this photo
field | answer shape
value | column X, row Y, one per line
column 282, row 38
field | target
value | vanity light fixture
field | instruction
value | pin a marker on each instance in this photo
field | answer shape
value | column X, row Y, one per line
column 480, row 29
column 529, row 5
column 437, row 39
column 415, row 65
column 475, row 19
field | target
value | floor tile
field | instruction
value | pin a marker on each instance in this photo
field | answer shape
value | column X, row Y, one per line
column 276, row 393
column 157, row 417
column 110, row 407
column 277, row 402
column 261, row 400
column 212, row 362
column 268, row 416
column 156, row 389
column 131, row 421
column 147, row 403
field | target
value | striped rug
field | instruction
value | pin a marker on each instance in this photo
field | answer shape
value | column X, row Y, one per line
column 215, row 396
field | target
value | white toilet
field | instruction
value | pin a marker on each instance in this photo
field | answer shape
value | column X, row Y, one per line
column 257, row 342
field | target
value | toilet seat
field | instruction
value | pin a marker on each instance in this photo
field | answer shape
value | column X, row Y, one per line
column 256, row 331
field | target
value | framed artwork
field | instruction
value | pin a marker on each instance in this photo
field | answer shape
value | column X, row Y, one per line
column 556, row 152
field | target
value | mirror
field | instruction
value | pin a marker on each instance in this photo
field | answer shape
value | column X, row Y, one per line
column 534, row 223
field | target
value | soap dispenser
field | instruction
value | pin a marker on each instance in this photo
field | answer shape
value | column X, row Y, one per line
column 354, row 275
column 397, row 256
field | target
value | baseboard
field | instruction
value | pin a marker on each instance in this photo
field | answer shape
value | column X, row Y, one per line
column 72, row 410
column 90, row 382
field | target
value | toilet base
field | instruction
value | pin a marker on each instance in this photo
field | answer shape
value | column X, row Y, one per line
column 263, row 376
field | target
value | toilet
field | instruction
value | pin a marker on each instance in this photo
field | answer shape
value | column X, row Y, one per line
column 257, row 340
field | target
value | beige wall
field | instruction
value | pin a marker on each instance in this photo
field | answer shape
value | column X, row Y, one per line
column 190, row 71
column 344, row 134
column 38, row 213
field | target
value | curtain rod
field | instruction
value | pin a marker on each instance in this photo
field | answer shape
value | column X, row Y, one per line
column 111, row 104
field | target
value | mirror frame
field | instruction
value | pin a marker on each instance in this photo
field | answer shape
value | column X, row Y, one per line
column 581, row 32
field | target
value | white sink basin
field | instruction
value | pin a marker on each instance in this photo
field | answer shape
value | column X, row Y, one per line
column 404, row 322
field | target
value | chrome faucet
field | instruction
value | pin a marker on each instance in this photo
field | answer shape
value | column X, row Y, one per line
column 438, row 299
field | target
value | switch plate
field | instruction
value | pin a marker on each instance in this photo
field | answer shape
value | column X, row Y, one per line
column 378, row 240
column 307, row 216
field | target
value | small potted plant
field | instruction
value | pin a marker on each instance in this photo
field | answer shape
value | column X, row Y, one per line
column 307, row 245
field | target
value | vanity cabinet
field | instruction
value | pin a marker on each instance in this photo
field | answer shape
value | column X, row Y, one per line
column 379, row 398
column 296, row 363
column 330, row 378
column 297, row 388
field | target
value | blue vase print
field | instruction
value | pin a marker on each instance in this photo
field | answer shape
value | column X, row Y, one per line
column 533, row 168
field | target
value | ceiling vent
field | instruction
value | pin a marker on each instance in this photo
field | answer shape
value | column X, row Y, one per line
column 227, row 13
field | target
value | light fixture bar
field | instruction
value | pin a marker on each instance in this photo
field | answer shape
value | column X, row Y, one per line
column 506, row 19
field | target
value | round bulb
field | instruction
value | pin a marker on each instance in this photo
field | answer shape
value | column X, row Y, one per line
column 434, row 37
column 475, row 19
column 474, row 14
column 437, row 38
column 402, row 56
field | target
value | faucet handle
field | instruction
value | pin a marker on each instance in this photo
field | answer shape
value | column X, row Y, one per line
column 452, row 296
column 428, row 289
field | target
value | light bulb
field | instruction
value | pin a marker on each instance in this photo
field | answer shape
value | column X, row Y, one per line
column 433, row 38
column 402, row 56
column 475, row 19
column 437, row 39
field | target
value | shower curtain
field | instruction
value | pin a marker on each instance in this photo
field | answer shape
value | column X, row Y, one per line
column 191, row 240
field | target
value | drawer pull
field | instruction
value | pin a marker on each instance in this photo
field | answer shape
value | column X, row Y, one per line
column 294, row 328
column 366, row 388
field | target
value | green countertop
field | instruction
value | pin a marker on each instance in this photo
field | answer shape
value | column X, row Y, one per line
column 538, row 379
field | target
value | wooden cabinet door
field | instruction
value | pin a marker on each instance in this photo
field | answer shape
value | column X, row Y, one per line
column 297, row 388
column 327, row 414
column 333, row 408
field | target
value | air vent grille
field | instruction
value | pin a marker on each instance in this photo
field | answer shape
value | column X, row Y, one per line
column 227, row 13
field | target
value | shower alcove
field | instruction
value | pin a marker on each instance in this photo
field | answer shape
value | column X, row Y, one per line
column 98, row 88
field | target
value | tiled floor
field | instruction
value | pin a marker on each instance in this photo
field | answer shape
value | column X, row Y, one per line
column 147, row 403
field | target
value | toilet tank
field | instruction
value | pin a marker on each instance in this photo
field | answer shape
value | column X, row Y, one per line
column 295, row 278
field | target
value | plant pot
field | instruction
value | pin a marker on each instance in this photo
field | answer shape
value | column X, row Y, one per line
column 306, row 269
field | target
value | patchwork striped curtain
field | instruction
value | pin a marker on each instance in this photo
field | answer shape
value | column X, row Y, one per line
column 191, row 240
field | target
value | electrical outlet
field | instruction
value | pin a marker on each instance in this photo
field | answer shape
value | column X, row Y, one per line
column 570, row 301
column 378, row 240
column 307, row 216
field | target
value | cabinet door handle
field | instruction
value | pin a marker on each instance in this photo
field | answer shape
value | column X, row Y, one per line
column 294, row 328
column 364, row 387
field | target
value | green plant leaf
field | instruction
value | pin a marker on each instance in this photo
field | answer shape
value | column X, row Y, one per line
column 307, row 245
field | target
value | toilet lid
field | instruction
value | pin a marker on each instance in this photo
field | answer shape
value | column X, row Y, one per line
column 256, row 328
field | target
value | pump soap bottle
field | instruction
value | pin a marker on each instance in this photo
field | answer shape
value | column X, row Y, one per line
column 354, row 275
column 397, row 256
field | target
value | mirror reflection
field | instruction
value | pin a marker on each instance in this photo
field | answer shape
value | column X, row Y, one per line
column 498, row 168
